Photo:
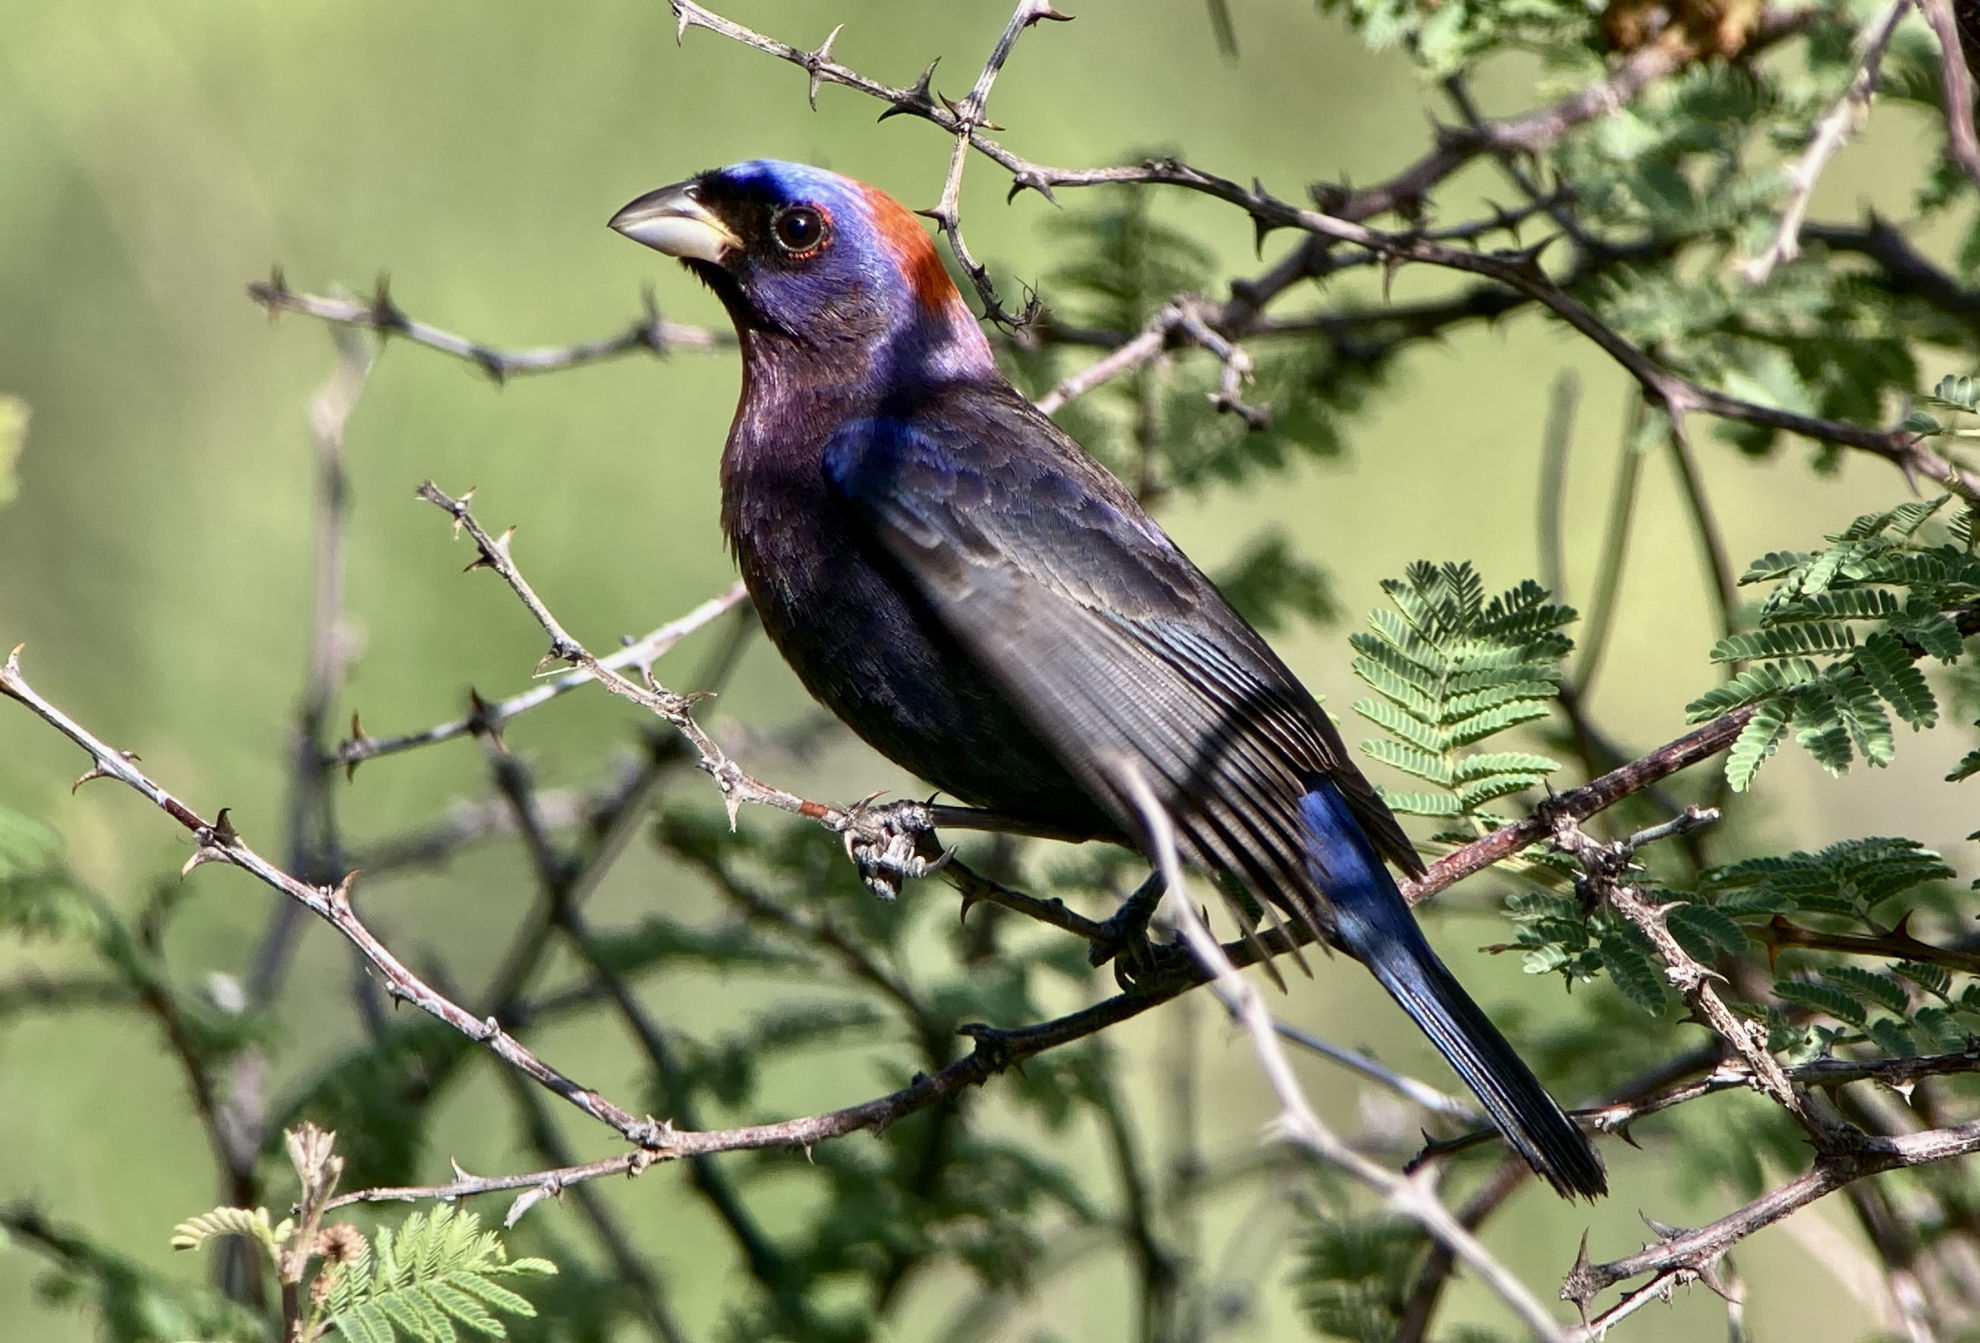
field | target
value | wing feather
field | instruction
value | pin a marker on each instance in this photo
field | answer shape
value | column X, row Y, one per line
column 1116, row 649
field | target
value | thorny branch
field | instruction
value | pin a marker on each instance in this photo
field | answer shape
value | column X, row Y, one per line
column 490, row 717
column 1830, row 135
column 381, row 314
column 1411, row 1196
column 896, row 833
column 1339, row 222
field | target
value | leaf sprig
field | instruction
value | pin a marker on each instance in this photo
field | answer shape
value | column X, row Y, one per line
column 1451, row 670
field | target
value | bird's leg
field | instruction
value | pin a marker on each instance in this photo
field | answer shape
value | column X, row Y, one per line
column 892, row 843
column 1124, row 937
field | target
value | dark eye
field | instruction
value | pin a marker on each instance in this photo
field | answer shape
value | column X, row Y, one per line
column 800, row 229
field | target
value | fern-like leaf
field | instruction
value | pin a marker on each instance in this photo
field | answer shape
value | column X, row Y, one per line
column 439, row 1273
column 252, row 1224
column 1452, row 669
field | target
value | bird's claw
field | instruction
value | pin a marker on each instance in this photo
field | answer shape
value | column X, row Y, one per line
column 1124, row 939
column 891, row 844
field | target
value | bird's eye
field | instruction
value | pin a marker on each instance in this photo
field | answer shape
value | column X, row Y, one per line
column 800, row 230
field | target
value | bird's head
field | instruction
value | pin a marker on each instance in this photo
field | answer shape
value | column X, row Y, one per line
column 803, row 255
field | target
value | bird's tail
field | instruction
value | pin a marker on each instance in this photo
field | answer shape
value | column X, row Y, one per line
column 1374, row 925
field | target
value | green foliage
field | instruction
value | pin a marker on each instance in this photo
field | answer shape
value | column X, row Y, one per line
column 1851, row 879
column 133, row 1302
column 1353, row 1273
column 1883, row 593
column 1447, row 37
column 253, row 1224
column 439, row 1274
column 1453, row 669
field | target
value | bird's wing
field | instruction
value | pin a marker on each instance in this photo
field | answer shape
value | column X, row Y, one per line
column 1119, row 652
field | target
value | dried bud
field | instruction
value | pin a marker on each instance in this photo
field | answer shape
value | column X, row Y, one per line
column 341, row 1243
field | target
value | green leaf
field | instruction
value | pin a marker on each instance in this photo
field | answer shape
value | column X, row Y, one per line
column 1632, row 972
column 1819, row 729
column 1703, row 930
column 1957, row 392
column 1824, row 998
column 437, row 1273
column 1760, row 682
column 1411, row 760
column 1756, row 742
column 1887, row 665
column 1782, row 641
column 1882, row 990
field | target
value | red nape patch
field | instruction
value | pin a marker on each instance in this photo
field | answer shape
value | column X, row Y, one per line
column 904, row 236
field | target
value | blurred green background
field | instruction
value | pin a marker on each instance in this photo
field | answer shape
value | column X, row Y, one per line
column 154, row 158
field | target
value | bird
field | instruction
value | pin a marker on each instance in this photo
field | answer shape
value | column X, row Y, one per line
column 982, row 602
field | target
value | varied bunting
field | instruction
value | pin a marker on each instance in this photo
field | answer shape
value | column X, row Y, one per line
column 986, row 605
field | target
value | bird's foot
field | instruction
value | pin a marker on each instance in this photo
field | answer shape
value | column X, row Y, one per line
column 1138, row 961
column 892, row 843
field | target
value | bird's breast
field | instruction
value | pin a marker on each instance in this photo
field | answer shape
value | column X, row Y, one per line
column 869, row 649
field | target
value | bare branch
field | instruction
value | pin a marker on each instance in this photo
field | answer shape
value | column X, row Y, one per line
column 1955, row 86
column 968, row 114
column 1686, row 1256
column 1411, row 1196
column 492, row 716
column 651, row 333
column 1831, row 133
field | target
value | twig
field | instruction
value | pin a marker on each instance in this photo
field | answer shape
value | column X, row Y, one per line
column 1409, row 1088
column 968, row 115
column 220, row 843
column 1955, row 86
column 651, row 332
column 1684, row 1256
column 627, row 1263
column 1607, row 866
column 1831, row 133
column 491, row 717
column 1412, row 1197
column 891, row 832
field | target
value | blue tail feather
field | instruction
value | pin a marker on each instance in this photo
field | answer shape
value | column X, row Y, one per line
column 1373, row 924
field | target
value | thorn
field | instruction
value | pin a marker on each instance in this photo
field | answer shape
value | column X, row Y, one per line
column 14, row 660
column 968, row 903
column 815, row 63
column 97, row 771
column 681, row 25
column 1046, row 12
column 386, row 315
column 1390, row 265
column 205, row 853
column 1029, row 181
column 548, row 662
column 918, row 99
column 1664, row 1230
column 223, row 832
column 482, row 721
column 340, row 894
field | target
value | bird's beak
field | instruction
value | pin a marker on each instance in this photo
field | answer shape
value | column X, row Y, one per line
column 673, row 220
